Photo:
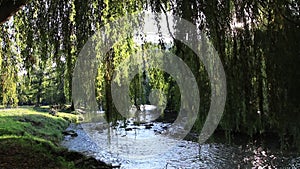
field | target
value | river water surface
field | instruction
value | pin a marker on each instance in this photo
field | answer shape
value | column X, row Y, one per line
column 144, row 146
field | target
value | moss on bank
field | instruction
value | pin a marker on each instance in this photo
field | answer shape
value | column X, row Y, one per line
column 29, row 138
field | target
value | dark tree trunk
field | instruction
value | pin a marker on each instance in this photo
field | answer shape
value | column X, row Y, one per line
column 9, row 7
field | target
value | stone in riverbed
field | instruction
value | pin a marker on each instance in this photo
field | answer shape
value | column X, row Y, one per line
column 71, row 133
column 148, row 126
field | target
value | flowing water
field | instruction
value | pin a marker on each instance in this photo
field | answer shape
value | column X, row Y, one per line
column 143, row 145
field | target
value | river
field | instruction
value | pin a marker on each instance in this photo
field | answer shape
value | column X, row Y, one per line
column 144, row 146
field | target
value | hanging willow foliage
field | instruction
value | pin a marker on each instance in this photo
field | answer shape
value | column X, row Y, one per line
column 257, row 42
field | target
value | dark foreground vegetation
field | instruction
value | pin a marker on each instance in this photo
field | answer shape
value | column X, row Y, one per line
column 29, row 138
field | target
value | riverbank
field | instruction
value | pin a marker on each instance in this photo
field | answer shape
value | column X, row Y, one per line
column 30, row 137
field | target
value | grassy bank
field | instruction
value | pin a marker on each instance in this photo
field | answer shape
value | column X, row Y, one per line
column 29, row 138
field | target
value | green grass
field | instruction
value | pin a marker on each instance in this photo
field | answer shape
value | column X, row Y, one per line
column 30, row 122
column 32, row 152
column 29, row 138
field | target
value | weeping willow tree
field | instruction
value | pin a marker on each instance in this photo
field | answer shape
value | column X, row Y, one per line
column 9, row 67
column 257, row 42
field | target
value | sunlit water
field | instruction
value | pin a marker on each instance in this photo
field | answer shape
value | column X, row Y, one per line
column 148, row 148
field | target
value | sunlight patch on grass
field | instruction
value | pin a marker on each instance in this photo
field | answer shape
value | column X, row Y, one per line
column 29, row 134
column 28, row 121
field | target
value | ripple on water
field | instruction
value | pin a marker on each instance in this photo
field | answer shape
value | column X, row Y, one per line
column 132, row 150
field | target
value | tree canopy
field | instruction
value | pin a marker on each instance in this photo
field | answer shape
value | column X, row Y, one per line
column 257, row 42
